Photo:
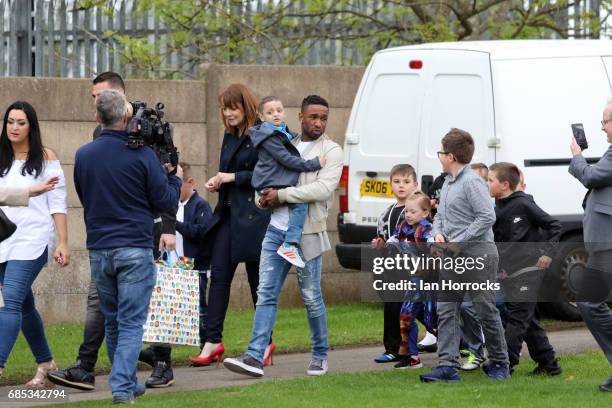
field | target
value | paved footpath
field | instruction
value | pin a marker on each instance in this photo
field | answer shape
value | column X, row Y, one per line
column 341, row 360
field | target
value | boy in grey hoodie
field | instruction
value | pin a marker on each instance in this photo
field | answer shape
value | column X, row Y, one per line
column 463, row 225
column 279, row 165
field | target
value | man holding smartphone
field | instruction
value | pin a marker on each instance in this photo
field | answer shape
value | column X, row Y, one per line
column 596, row 281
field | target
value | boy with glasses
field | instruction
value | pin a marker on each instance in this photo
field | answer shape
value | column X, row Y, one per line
column 463, row 225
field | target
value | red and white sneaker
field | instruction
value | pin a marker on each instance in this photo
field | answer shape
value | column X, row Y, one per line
column 408, row 362
column 291, row 254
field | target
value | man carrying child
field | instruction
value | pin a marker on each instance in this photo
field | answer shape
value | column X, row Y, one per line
column 279, row 166
column 317, row 189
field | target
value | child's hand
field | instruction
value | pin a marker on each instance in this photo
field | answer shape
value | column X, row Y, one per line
column 378, row 243
column 440, row 238
column 322, row 160
column 44, row 187
column 544, row 262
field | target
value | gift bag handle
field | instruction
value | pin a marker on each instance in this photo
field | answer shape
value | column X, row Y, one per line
column 165, row 256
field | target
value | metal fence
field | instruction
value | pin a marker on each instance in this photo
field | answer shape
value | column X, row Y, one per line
column 54, row 38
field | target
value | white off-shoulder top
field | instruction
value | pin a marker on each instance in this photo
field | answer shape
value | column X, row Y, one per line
column 35, row 226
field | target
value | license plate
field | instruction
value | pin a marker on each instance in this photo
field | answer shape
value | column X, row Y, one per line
column 376, row 188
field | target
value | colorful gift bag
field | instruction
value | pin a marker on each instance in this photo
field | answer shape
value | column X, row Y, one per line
column 174, row 311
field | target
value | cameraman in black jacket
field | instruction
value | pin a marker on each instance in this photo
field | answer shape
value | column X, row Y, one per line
column 81, row 374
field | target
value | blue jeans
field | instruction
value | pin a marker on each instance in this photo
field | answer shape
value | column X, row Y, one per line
column 125, row 278
column 19, row 311
column 273, row 270
column 297, row 217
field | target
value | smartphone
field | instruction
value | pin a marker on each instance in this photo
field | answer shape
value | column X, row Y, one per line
column 578, row 131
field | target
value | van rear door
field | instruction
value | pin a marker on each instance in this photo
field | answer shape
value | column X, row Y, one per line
column 409, row 100
column 385, row 131
column 459, row 95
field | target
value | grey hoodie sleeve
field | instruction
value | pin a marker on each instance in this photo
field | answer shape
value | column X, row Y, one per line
column 275, row 148
column 480, row 200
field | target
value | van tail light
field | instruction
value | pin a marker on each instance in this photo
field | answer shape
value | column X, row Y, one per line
column 416, row 64
column 343, row 190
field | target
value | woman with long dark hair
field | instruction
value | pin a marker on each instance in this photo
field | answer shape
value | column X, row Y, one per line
column 239, row 225
column 25, row 162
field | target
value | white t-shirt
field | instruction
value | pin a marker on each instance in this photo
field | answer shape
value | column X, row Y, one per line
column 180, row 216
column 280, row 216
column 35, row 226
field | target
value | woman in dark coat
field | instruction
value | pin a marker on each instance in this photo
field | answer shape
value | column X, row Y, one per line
column 239, row 225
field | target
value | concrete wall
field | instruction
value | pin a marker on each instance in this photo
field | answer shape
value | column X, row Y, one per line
column 65, row 110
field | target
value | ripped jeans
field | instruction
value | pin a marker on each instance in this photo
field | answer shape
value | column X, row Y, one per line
column 273, row 270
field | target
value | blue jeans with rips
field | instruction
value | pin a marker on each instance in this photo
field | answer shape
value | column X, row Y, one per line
column 125, row 278
column 273, row 270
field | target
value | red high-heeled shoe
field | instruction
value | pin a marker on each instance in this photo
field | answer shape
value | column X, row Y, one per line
column 268, row 358
column 216, row 354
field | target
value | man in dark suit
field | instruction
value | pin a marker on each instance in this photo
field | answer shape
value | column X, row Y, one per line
column 596, row 281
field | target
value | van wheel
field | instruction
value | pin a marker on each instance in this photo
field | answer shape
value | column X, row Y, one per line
column 572, row 261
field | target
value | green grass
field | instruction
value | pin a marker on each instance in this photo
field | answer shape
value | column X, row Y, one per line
column 348, row 325
column 576, row 387
column 354, row 324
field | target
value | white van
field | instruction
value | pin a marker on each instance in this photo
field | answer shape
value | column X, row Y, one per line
column 516, row 98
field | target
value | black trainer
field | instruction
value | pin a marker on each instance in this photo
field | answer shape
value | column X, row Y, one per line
column 147, row 356
column 161, row 377
column 427, row 348
column 550, row 370
column 74, row 376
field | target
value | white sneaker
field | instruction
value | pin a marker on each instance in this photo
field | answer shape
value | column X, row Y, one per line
column 291, row 254
column 428, row 340
column 317, row 367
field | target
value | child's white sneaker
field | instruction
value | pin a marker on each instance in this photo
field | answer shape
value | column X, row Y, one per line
column 291, row 254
